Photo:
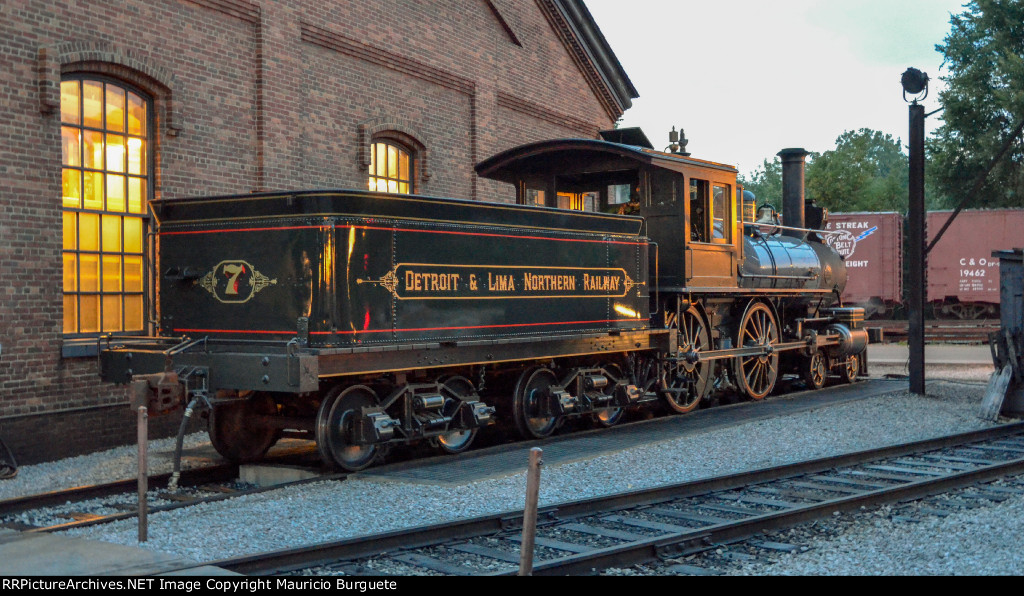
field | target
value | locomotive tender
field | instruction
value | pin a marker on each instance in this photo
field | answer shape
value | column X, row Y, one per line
column 363, row 319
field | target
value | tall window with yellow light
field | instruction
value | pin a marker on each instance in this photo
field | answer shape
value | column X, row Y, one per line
column 105, row 137
column 391, row 168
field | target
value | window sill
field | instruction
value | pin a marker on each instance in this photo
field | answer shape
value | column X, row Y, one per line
column 84, row 347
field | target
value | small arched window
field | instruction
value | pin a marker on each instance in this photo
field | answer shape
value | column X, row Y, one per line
column 106, row 182
column 391, row 167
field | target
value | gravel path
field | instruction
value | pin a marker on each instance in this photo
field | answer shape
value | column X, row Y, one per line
column 329, row 511
column 105, row 466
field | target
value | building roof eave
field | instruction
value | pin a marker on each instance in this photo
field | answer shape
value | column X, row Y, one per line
column 593, row 54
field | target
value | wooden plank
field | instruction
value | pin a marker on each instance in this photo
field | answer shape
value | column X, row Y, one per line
column 647, row 524
column 852, row 482
column 606, row 532
column 554, row 544
column 995, row 393
column 433, row 564
column 487, row 551
column 686, row 516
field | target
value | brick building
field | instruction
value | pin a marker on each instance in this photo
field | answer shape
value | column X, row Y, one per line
column 108, row 103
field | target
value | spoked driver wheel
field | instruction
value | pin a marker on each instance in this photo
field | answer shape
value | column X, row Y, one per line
column 815, row 370
column 529, row 403
column 338, row 412
column 457, row 390
column 235, row 431
column 849, row 369
column 684, row 383
column 756, row 375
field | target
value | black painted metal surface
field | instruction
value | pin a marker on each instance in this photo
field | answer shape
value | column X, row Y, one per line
column 352, row 268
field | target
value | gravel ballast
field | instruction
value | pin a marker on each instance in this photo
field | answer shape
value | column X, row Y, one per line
column 327, row 511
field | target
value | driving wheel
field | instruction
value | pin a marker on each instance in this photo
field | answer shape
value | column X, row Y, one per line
column 756, row 374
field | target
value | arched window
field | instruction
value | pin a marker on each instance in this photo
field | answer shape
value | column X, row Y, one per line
column 391, row 167
column 106, row 181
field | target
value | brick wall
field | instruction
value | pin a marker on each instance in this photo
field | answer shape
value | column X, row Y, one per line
column 248, row 96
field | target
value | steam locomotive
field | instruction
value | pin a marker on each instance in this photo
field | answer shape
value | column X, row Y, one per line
column 364, row 320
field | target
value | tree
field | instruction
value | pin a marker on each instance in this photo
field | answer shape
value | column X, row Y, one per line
column 867, row 171
column 766, row 183
column 983, row 101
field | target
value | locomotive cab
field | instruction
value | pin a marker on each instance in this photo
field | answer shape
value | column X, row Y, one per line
column 689, row 205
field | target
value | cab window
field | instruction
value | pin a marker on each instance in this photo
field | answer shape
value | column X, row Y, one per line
column 584, row 201
column 699, row 208
column 720, row 213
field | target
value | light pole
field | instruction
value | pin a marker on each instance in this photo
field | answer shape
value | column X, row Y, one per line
column 915, row 83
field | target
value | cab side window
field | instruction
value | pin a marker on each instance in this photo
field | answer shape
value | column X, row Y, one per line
column 722, row 227
column 666, row 187
column 699, row 209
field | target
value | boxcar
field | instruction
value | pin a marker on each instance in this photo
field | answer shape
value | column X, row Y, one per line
column 963, row 277
column 872, row 246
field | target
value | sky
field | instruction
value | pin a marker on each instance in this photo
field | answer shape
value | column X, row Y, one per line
column 747, row 78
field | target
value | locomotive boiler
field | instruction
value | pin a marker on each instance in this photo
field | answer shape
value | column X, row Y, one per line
column 363, row 320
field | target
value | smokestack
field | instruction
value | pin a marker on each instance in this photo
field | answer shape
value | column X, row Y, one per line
column 793, row 189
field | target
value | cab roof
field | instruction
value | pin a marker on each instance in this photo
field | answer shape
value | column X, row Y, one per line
column 583, row 156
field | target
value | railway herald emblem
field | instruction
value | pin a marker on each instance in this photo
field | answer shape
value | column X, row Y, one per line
column 415, row 281
column 845, row 241
column 235, row 282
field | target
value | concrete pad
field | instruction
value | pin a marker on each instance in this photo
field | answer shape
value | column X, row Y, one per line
column 273, row 474
column 933, row 354
column 47, row 554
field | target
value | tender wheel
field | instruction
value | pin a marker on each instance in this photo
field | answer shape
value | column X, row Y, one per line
column 236, row 434
column 686, row 382
column 756, row 375
column 528, row 403
column 815, row 370
column 458, row 390
column 338, row 412
column 610, row 417
column 849, row 369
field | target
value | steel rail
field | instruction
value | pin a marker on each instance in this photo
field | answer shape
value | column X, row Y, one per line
column 684, row 543
column 374, row 545
column 205, row 475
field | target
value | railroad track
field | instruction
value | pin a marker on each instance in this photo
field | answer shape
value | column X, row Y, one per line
column 941, row 330
column 668, row 522
column 77, row 507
